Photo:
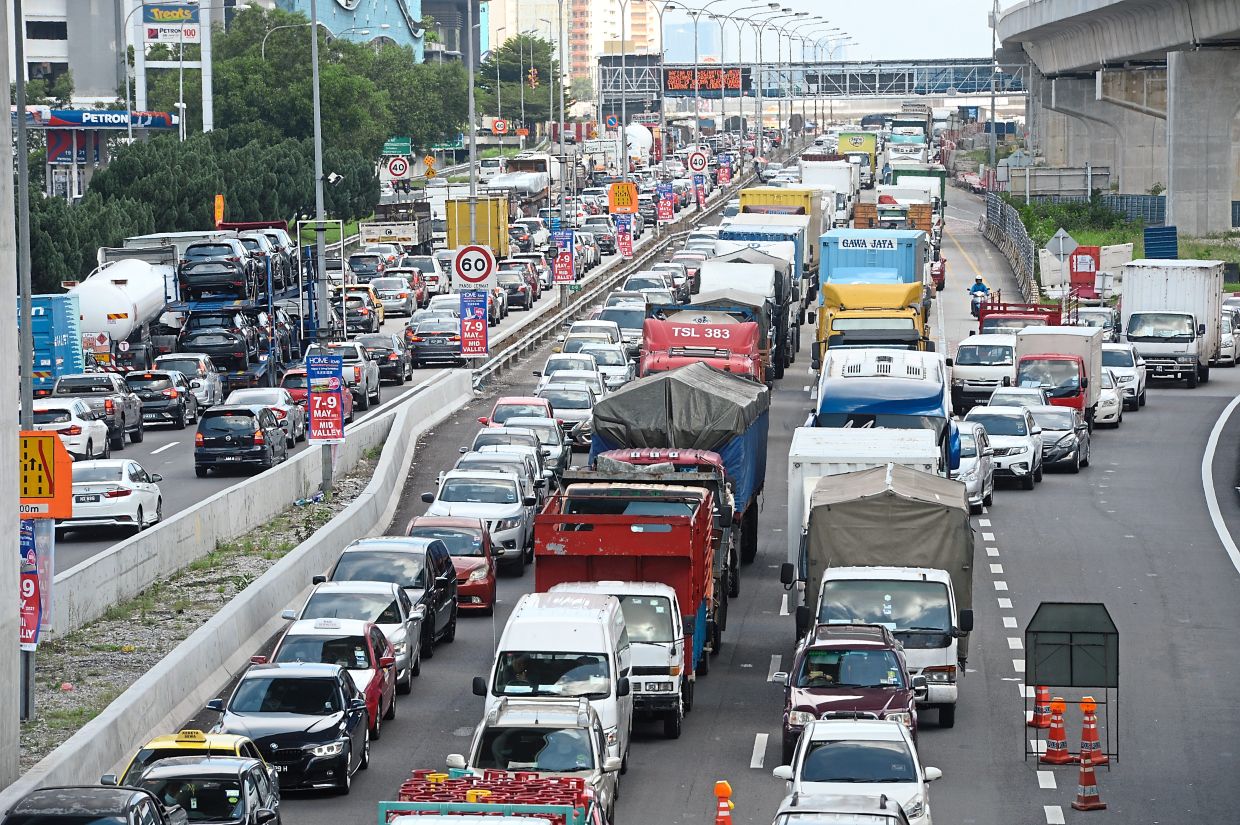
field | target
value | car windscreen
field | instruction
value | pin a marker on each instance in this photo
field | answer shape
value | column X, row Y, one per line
column 226, row 423
column 404, row 569
column 1001, row 398
column 461, row 541
column 635, row 283
column 491, row 438
column 86, row 384
column 478, row 491
column 866, row 761
column 186, row 366
column 389, row 283
column 567, row 399
column 560, row 363
column 52, row 416
column 543, row 673
column 380, row 608
column 272, row 694
column 1062, row 419
column 208, row 320
column 841, row 668
column 984, row 355
column 555, row 750
column 1001, row 424
column 294, row 381
column 203, row 798
column 372, row 342
column 350, row 652
column 208, row 251
column 606, row 357
column 348, row 355
column 503, row 412
column 624, row 318
column 1117, row 358
column 98, row 473
column 509, row 278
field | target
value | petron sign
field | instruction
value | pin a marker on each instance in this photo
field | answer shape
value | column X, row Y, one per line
column 102, row 119
column 711, row 82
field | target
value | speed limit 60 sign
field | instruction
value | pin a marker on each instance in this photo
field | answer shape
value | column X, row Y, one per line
column 473, row 268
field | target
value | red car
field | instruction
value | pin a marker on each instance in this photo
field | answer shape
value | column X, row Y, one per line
column 514, row 406
column 295, row 382
column 469, row 544
column 359, row 647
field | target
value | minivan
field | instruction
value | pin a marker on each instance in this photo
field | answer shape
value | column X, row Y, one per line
column 566, row 645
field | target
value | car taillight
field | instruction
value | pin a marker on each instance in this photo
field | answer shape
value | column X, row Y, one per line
column 416, row 338
column 260, row 437
column 171, row 393
column 198, row 440
column 119, row 492
column 363, row 312
column 109, row 405
column 393, row 357
column 71, row 430
column 357, row 373
column 279, row 413
column 454, row 337
column 403, row 295
column 233, row 258
column 521, row 288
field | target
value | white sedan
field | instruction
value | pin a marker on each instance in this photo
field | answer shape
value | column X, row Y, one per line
column 1110, row 410
column 114, row 492
column 290, row 414
column 82, row 430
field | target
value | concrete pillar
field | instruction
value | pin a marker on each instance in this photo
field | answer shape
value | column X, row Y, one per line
column 1202, row 129
column 1132, row 143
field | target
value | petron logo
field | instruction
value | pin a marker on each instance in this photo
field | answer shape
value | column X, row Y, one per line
column 105, row 117
column 867, row 243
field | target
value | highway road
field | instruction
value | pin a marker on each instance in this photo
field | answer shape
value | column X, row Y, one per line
column 1156, row 562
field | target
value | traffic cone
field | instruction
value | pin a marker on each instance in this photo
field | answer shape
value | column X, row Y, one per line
column 1087, row 798
column 1089, row 733
column 1057, row 740
column 723, row 802
column 1041, row 708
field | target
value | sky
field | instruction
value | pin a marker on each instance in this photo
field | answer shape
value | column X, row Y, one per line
column 921, row 29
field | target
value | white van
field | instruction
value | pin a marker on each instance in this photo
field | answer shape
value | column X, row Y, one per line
column 983, row 363
column 566, row 645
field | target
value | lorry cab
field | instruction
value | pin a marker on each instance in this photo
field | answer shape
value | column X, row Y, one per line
column 731, row 346
column 567, row 645
column 1065, row 361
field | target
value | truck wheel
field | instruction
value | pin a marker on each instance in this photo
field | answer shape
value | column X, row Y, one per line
column 777, row 368
column 1204, row 375
column 686, row 695
column 672, row 725
column 1191, row 380
column 703, row 665
column 734, row 583
column 716, row 637
column 947, row 716
column 749, row 536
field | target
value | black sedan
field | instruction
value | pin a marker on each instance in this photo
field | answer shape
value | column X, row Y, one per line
column 93, row 804
column 217, row 789
column 308, row 720
column 519, row 237
column 395, row 361
column 436, row 342
column 359, row 317
column 166, row 397
column 519, row 292
column 227, row 349
column 234, row 435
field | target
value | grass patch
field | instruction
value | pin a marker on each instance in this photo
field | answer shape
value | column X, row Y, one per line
column 332, row 235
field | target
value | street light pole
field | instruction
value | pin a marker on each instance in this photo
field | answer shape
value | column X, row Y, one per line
column 623, row 161
column 322, row 308
column 473, row 124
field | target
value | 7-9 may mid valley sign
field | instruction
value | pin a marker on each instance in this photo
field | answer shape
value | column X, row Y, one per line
column 325, row 405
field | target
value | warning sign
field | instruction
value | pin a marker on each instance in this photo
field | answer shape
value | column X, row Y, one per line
column 45, row 476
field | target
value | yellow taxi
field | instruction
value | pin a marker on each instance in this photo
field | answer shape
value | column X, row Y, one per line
column 367, row 293
column 184, row 743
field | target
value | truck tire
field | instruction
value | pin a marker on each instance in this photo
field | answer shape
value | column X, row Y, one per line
column 117, row 442
column 672, row 724
column 777, row 368
column 1191, row 379
column 1204, row 375
column 749, row 536
column 947, row 716
column 734, row 581
column 686, row 694
column 137, row 435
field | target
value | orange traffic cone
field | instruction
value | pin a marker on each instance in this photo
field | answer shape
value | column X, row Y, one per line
column 723, row 803
column 1041, row 708
column 1087, row 798
column 1089, row 733
column 1057, row 740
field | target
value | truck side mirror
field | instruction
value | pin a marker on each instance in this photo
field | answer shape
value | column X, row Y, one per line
column 1007, row 380
column 804, row 617
column 622, row 687
column 787, row 574
column 966, row 620
column 948, row 361
column 1085, row 383
column 479, row 686
column 1201, row 329
column 920, row 687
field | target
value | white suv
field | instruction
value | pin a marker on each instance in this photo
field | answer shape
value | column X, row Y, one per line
column 1129, row 370
column 1016, row 439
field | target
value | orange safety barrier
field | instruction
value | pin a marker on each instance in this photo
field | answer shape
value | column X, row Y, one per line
column 1041, row 708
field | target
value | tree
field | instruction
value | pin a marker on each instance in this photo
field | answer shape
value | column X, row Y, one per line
column 514, row 59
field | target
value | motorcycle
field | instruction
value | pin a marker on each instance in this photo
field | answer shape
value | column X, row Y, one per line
column 977, row 298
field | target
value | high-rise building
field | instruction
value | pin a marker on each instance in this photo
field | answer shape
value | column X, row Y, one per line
column 580, row 57
column 678, row 41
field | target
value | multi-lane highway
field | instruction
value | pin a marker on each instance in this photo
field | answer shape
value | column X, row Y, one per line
column 1155, row 560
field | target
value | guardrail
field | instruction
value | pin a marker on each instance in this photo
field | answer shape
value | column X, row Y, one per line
column 1001, row 225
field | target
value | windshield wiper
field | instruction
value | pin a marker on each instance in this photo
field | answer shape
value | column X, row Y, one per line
column 656, row 642
column 917, row 629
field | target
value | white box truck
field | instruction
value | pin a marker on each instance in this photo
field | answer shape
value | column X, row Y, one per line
column 1172, row 313
column 841, row 177
column 1065, row 361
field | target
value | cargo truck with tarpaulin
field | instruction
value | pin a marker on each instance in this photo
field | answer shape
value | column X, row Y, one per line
column 781, row 241
column 802, row 233
column 700, row 408
column 724, row 306
column 913, row 575
column 746, row 270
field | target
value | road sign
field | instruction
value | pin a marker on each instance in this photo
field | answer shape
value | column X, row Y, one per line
column 398, row 146
column 398, row 168
column 612, row 121
column 622, row 198
column 45, row 476
column 699, row 189
column 697, row 161
column 624, row 236
column 500, row 126
column 473, row 268
column 564, row 270
column 523, row 132
column 325, row 402
column 219, row 209
column 474, row 322
column 666, row 209
column 1061, row 245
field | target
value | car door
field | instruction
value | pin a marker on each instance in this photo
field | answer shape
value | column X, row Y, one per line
column 412, row 622
column 379, row 648
column 144, row 488
column 274, row 434
column 985, row 457
column 445, row 584
column 268, row 791
column 355, row 721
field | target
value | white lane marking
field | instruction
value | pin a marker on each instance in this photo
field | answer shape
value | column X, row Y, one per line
column 1005, row 604
column 983, row 522
column 1054, row 814
column 1000, row 585
column 1009, row 621
column 783, row 605
column 1046, row 780
column 805, row 388
column 776, row 661
column 1207, row 483
column 996, row 568
column 167, row 446
column 1014, row 643
column 759, row 750
column 992, row 551
column 988, row 536
column 1037, row 746
column 1019, row 665
column 1028, row 691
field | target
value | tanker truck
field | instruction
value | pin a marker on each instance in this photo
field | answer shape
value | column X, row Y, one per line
column 123, row 320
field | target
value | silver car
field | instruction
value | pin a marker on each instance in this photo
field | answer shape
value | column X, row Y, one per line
column 290, row 414
column 204, row 378
column 394, row 293
column 383, row 603
column 977, row 466
column 573, row 407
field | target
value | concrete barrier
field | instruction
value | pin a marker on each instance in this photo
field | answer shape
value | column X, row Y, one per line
column 193, row 672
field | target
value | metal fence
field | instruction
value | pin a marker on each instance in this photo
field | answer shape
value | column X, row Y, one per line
column 1003, row 228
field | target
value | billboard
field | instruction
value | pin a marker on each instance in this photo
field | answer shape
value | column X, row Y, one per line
column 712, row 81
column 171, row 23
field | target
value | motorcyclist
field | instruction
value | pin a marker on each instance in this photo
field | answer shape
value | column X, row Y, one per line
column 979, row 287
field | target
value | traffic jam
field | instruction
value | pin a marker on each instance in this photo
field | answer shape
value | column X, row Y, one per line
column 621, row 491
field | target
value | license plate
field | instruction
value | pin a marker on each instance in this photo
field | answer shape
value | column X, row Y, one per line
column 86, row 499
column 282, row 768
column 1159, row 369
column 151, row 416
column 230, row 458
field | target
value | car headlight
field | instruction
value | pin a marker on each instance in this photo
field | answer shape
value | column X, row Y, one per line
column 970, row 475
column 479, row 574
column 1018, row 450
column 1126, row 379
column 330, row 749
column 508, row 524
column 401, row 648
column 1109, row 402
column 915, row 808
column 613, row 737
column 903, row 717
column 800, row 718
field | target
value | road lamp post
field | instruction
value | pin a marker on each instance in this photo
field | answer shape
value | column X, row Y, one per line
column 759, row 28
column 785, row 125
column 499, row 94
column 815, row 34
column 623, row 161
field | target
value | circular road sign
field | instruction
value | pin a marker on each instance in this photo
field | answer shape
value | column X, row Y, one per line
column 697, row 162
column 473, row 265
column 398, row 167
column 500, row 127
column 612, row 121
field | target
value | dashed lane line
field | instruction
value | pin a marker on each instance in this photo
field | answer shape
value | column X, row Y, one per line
column 758, row 758
column 776, row 661
column 997, row 569
column 783, row 606
column 1046, row 780
column 1009, row 622
column 1005, row 604
column 1054, row 814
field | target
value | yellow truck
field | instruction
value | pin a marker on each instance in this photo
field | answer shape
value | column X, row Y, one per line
column 790, row 200
column 872, row 315
column 490, row 221
column 862, row 143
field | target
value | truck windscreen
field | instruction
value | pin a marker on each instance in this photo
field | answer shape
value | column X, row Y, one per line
column 917, row 612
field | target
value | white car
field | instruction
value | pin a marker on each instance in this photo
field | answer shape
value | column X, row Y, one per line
column 561, row 361
column 1129, row 370
column 1016, row 439
column 613, row 362
column 573, row 406
column 540, row 235
column 434, row 272
column 1018, row 397
column 204, row 377
column 1110, row 410
column 1227, row 342
column 867, row 757
column 493, row 497
column 977, row 465
column 81, row 429
column 593, row 380
column 114, row 492
column 290, row 414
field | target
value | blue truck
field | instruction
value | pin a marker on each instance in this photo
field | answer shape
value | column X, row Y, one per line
column 855, row 251
column 54, row 324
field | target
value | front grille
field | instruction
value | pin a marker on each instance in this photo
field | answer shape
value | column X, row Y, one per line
column 286, row 756
column 647, row 670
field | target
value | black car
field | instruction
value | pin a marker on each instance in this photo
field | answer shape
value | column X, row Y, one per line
column 519, row 237
column 227, row 349
column 166, row 397
column 423, row 567
column 366, row 266
column 308, row 720
column 234, row 435
column 359, row 316
column 519, row 292
column 94, row 804
column 395, row 363
column 436, row 341
column 226, row 319
column 222, row 266
column 216, row 789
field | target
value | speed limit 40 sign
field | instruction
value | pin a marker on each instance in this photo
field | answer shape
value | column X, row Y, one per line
column 697, row 162
column 473, row 268
column 398, row 168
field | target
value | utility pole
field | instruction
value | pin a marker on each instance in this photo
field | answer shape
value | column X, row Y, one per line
column 473, row 126
column 994, row 69
column 322, row 302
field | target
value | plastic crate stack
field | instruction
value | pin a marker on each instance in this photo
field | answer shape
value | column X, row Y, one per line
column 499, row 788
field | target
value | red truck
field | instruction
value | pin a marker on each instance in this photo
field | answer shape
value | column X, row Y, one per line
column 731, row 347
column 997, row 315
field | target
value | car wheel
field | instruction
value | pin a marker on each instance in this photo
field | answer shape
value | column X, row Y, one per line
column 1119, row 420
column 90, row 449
column 180, row 421
column 377, row 397
column 1085, row 457
column 201, row 472
column 159, row 511
column 1026, row 482
column 376, row 732
column 137, row 435
column 416, row 668
column 989, row 499
column 1141, row 400
column 197, row 413
column 138, row 521
column 364, row 403
column 405, row 686
column 400, row 377
column 290, row 441
column 365, row 763
column 117, row 442
column 1037, row 474
column 391, row 711
column 449, row 633
column 1076, row 463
